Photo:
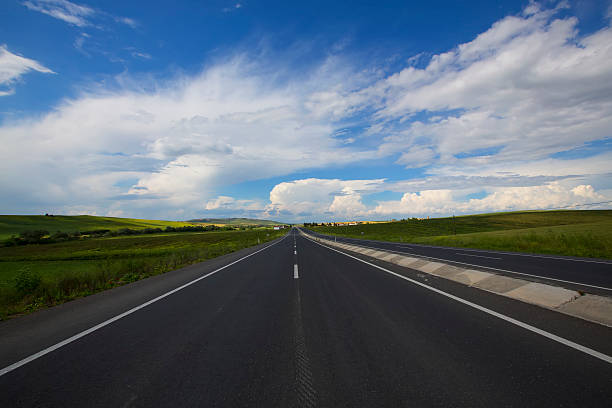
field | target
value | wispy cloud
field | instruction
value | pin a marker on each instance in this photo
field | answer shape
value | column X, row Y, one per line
column 75, row 14
column 64, row 10
column 142, row 55
column 127, row 21
column 13, row 66
column 86, row 18
column 235, row 7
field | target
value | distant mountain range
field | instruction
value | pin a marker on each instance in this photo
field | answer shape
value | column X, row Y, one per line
column 235, row 221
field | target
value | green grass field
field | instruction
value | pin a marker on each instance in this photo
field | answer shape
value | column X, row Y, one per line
column 570, row 232
column 15, row 224
column 235, row 222
column 35, row 276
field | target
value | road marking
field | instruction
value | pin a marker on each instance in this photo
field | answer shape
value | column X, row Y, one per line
column 358, row 241
column 84, row 333
column 294, row 252
column 295, row 272
column 489, row 267
column 477, row 256
column 554, row 337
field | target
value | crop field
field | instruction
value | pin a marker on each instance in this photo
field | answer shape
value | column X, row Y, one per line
column 575, row 233
column 15, row 224
column 36, row 276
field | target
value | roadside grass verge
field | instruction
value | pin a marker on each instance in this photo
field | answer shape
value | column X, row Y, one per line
column 37, row 276
column 567, row 232
column 582, row 240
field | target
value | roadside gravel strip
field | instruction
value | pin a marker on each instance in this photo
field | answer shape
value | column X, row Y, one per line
column 597, row 309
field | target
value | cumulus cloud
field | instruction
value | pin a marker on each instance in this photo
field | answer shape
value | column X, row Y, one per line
column 337, row 200
column 552, row 195
column 13, row 66
column 321, row 197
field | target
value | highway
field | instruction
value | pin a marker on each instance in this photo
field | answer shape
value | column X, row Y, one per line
column 590, row 275
column 297, row 324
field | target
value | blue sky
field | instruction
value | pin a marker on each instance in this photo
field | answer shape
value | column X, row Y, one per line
column 310, row 111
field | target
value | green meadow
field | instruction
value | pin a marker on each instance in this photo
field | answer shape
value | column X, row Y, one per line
column 16, row 224
column 568, row 232
column 40, row 275
column 236, row 222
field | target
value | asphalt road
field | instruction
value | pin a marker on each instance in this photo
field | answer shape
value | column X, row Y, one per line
column 333, row 332
column 590, row 275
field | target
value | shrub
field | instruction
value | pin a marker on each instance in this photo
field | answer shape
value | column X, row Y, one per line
column 60, row 236
column 33, row 237
column 27, row 282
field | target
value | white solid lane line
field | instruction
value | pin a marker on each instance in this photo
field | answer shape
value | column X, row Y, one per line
column 477, row 256
column 415, row 246
column 554, row 337
column 486, row 267
column 295, row 272
column 84, row 333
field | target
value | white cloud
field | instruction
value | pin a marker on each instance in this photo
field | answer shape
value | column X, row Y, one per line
column 552, row 195
column 423, row 202
column 235, row 7
column 220, row 202
column 13, row 66
column 321, row 197
column 337, row 200
column 417, row 156
column 72, row 13
column 230, row 203
column 529, row 86
column 172, row 147
column 127, row 21
column 64, row 10
column 142, row 55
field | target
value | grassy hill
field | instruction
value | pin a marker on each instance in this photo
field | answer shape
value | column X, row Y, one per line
column 235, row 221
column 14, row 224
column 569, row 232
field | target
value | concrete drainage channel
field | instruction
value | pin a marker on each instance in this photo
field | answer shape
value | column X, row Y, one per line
column 597, row 309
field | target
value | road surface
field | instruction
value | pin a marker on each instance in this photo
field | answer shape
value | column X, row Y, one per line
column 586, row 274
column 296, row 324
